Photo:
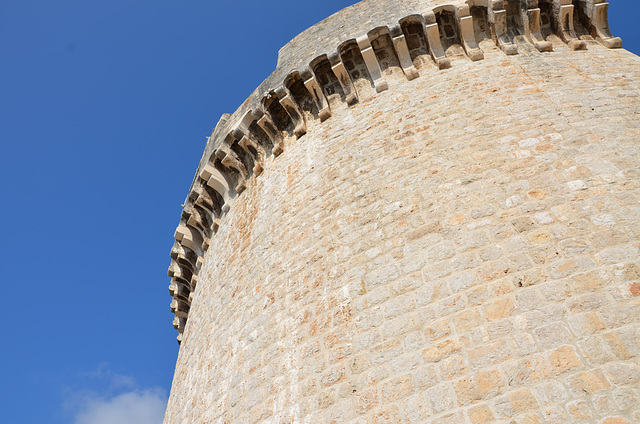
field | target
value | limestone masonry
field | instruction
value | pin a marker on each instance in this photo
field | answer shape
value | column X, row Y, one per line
column 428, row 213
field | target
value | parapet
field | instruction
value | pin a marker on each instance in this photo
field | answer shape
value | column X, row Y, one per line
column 332, row 57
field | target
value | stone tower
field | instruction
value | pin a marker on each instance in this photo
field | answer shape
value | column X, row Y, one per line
column 428, row 213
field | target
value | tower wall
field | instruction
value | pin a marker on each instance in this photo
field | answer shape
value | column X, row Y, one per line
column 452, row 240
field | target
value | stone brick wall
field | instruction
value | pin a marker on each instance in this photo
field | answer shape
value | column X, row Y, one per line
column 459, row 248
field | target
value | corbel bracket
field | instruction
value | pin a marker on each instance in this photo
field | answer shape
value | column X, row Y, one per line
column 294, row 111
column 311, row 83
column 339, row 70
column 371, row 61
column 402, row 50
column 563, row 16
column 600, row 22
column 433, row 39
column 531, row 20
column 497, row 16
column 467, row 35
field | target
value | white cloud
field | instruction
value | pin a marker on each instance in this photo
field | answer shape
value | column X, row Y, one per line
column 116, row 381
column 137, row 407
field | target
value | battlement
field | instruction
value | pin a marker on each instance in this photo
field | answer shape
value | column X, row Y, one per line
column 338, row 59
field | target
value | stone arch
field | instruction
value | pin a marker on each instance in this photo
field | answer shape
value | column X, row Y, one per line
column 261, row 137
column 245, row 159
column 208, row 199
column 481, row 27
column 199, row 218
column 217, row 181
column 279, row 115
column 294, row 83
column 515, row 25
column 327, row 79
column 413, row 29
column 190, row 237
column 293, row 105
column 386, row 55
column 448, row 26
column 581, row 18
column 548, row 22
column 185, row 257
column 355, row 65
column 591, row 17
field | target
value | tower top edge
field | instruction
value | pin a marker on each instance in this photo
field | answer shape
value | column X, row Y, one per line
column 356, row 21
column 350, row 22
column 299, row 88
column 325, row 38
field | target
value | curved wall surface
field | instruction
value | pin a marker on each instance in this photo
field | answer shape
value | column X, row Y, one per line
column 448, row 238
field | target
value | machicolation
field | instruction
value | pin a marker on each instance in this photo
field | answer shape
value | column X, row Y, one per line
column 428, row 213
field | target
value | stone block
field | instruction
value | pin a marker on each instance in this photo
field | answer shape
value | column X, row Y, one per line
column 588, row 382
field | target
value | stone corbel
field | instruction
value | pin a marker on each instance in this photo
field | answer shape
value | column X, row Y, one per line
column 312, row 86
column 291, row 107
column 179, row 254
column 173, row 287
column 179, row 290
column 204, row 200
column 433, row 39
column 204, row 230
column 402, row 50
column 229, row 159
column 194, row 283
column 198, row 218
column 193, row 225
column 180, row 308
column 467, row 35
column 497, row 16
column 265, row 122
column 217, row 181
column 351, row 96
column 600, row 21
column 248, row 142
column 563, row 16
column 189, row 237
column 179, row 323
column 531, row 20
column 175, row 270
column 371, row 61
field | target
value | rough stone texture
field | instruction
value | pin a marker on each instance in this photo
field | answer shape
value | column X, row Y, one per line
column 459, row 248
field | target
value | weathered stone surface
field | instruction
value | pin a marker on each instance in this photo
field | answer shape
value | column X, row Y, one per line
column 422, row 226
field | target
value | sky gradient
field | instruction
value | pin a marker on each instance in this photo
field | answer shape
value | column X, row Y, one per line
column 105, row 107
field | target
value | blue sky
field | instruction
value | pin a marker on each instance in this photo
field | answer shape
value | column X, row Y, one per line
column 105, row 107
